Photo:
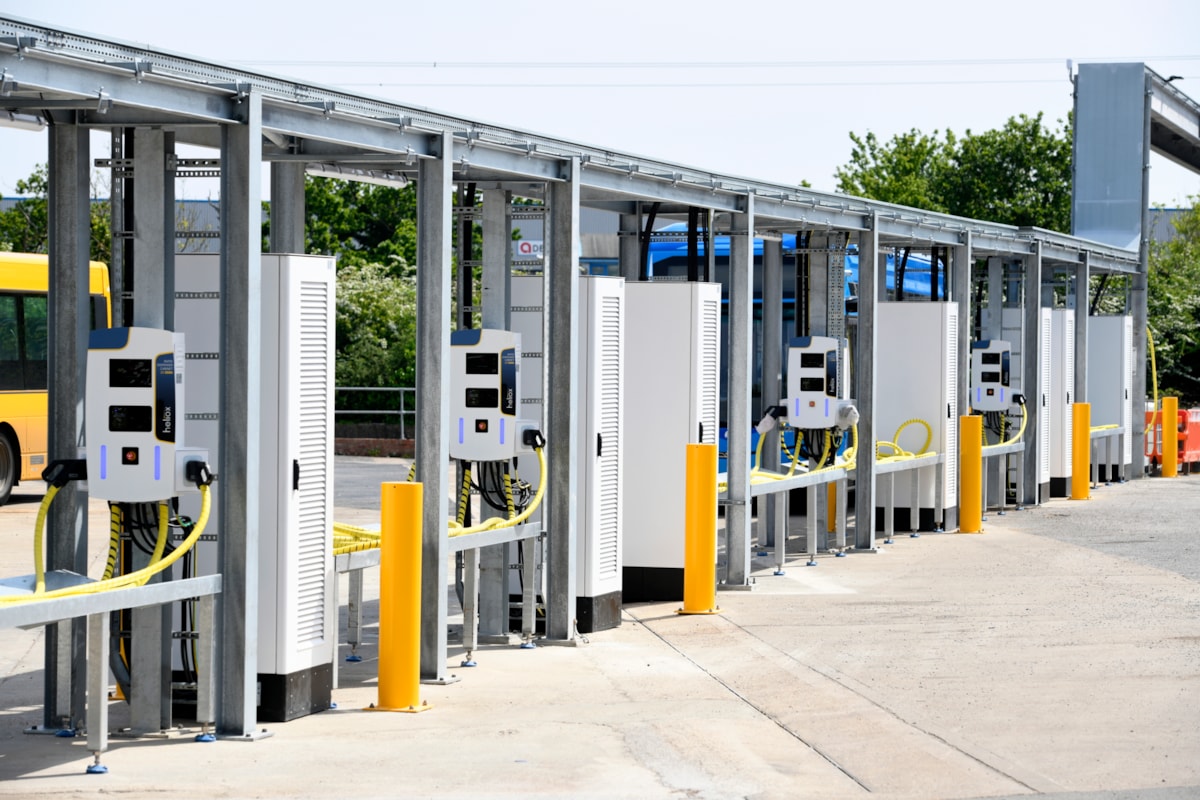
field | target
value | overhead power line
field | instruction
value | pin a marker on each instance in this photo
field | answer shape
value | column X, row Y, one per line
column 698, row 85
column 842, row 64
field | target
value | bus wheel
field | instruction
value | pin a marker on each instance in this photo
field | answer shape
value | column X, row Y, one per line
column 8, row 467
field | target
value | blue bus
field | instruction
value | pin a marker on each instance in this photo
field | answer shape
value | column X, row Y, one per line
column 669, row 258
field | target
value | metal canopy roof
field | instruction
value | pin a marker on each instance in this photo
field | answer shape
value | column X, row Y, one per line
column 1174, row 123
column 59, row 75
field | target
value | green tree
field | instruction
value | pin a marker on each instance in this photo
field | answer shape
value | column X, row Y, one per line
column 25, row 228
column 907, row 170
column 1173, row 300
column 361, row 223
column 376, row 326
column 1018, row 175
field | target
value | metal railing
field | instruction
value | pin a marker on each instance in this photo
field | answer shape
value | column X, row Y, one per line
column 404, row 409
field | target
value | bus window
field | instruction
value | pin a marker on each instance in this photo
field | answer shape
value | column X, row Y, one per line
column 10, row 345
column 35, row 341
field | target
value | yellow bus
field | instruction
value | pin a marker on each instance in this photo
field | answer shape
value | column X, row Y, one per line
column 24, row 283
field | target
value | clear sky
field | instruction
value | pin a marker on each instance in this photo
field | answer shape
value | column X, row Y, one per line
column 768, row 89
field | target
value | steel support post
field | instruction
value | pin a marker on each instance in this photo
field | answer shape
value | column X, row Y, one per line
column 959, row 280
column 150, row 670
column 153, row 226
column 628, row 245
column 287, row 207
column 153, row 307
column 1083, row 278
column 435, row 198
column 869, row 289
column 772, row 524
column 205, row 679
column 1031, row 379
column 710, row 250
column 241, row 414
column 97, row 683
column 1138, row 298
column 495, row 312
column 562, row 395
column 117, row 220
column 995, row 301
column 67, row 324
column 464, row 246
column 739, row 382
column 818, row 284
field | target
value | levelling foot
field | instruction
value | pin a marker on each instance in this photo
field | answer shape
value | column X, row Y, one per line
column 96, row 768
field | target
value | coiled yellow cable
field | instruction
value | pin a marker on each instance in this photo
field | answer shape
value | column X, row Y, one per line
column 508, row 495
column 114, row 539
column 1020, row 430
column 464, row 495
column 136, row 578
column 498, row 522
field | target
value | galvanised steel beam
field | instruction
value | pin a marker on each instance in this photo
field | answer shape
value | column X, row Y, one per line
column 739, row 384
column 866, row 382
column 120, row 78
column 1174, row 122
column 112, row 87
column 287, row 207
column 67, row 329
column 376, row 136
column 241, row 410
column 1036, row 427
column 561, row 393
column 435, row 199
column 772, row 524
column 640, row 185
column 810, row 212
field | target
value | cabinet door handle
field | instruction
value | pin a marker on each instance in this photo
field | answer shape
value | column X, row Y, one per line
column 599, row 445
column 296, row 475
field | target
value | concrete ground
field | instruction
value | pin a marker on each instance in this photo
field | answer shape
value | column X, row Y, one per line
column 1056, row 655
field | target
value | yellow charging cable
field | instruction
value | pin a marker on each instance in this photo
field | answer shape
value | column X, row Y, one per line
column 39, row 532
column 137, row 578
column 499, row 522
column 1020, row 430
column 351, row 538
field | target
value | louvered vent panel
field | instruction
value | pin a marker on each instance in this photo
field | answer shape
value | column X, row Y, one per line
column 1069, row 386
column 1127, row 403
column 951, row 422
column 1043, row 411
column 709, row 386
column 313, row 528
column 609, row 421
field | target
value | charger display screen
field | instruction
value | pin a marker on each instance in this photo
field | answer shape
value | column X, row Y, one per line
column 130, row 373
column 130, row 419
column 482, row 398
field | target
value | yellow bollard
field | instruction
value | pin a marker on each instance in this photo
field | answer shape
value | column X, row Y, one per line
column 700, row 531
column 400, row 598
column 1170, row 437
column 970, row 474
column 831, row 507
column 1081, row 455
